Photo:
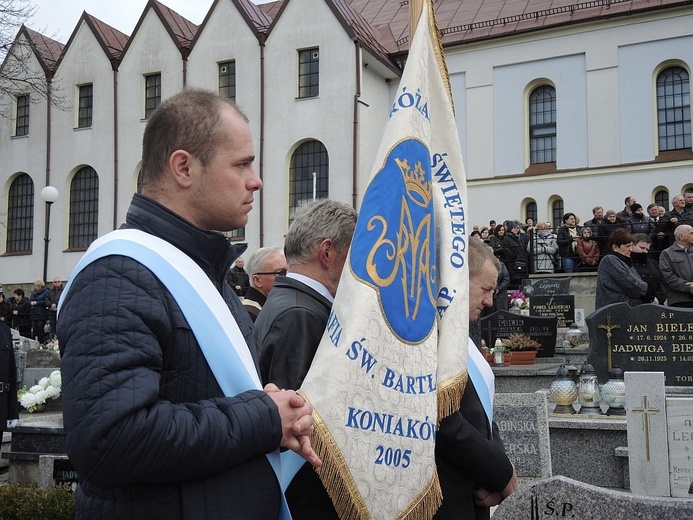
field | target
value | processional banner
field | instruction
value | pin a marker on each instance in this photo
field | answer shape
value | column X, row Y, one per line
column 393, row 360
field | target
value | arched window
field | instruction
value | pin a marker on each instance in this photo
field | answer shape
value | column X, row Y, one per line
column 308, row 175
column 557, row 213
column 531, row 211
column 542, row 125
column 674, row 109
column 661, row 198
column 84, row 208
column 20, row 215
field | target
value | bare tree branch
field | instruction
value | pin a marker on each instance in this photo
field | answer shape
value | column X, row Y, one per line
column 19, row 73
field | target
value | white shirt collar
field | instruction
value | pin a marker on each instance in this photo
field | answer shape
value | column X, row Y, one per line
column 313, row 284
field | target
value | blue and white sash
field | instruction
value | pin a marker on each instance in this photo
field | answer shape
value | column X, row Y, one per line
column 483, row 380
column 210, row 319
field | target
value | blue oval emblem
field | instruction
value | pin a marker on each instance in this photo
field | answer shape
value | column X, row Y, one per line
column 393, row 249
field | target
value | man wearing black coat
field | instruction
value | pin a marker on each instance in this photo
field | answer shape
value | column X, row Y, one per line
column 293, row 319
column 474, row 471
column 148, row 427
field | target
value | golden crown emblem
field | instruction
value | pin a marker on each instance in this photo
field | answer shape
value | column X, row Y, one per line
column 418, row 188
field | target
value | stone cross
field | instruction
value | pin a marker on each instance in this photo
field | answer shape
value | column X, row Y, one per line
column 645, row 410
column 648, row 447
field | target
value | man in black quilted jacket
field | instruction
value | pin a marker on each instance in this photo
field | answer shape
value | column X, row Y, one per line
column 148, row 427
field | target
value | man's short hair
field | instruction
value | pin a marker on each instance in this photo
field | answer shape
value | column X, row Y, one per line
column 19, row 292
column 641, row 237
column 314, row 222
column 596, row 208
column 627, row 199
column 688, row 190
column 190, row 121
column 478, row 254
column 258, row 257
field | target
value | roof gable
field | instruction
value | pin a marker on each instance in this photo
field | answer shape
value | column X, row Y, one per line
column 47, row 50
column 257, row 20
column 181, row 30
column 111, row 40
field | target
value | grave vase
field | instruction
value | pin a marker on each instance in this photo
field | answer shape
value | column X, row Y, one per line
column 40, row 408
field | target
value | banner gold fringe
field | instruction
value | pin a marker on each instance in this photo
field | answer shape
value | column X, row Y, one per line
column 344, row 492
column 440, row 55
column 450, row 395
column 426, row 503
column 335, row 474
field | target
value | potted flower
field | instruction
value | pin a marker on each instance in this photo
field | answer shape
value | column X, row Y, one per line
column 34, row 399
column 517, row 301
column 523, row 347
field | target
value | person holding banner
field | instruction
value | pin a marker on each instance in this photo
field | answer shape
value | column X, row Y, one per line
column 154, row 424
column 474, row 471
column 294, row 318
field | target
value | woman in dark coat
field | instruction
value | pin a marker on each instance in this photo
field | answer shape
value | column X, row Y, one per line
column 648, row 270
column 617, row 279
column 567, row 238
column 20, row 313
column 514, row 254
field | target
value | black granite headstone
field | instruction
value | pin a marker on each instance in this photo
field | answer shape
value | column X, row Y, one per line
column 560, row 306
column 646, row 338
column 64, row 472
column 503, row 324
column 546, row 286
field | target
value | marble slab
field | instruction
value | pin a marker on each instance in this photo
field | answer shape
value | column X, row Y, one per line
column 648, row 453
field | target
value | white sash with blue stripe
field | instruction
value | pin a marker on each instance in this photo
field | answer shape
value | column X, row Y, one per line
column 483, row 380
column 210, row 319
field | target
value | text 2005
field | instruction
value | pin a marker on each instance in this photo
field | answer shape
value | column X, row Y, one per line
column 393, row 457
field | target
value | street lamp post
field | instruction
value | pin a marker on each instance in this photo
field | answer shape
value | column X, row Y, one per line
column 49, row 195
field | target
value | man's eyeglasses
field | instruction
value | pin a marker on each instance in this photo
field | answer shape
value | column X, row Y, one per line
column 280, row 272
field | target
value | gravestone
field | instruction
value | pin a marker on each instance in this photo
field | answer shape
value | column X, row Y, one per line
column 566, row 498
column 680, row 429
column 646, row 338
column 562, row 306
column 648, row 453
column 546, row 287
column 37, row 358
column 523, row 422
column 503, row 324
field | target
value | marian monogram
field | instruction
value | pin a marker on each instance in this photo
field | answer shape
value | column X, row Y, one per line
column 393, row 245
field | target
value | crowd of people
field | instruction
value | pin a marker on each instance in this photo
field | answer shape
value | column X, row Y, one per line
column 33, row 316
column 627, row 248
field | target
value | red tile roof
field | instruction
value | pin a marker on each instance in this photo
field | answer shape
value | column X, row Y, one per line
column 47, row 50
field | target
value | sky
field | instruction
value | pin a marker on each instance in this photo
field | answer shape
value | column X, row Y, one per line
column 58, row 18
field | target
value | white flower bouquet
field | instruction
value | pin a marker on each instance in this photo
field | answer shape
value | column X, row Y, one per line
column 47, row 388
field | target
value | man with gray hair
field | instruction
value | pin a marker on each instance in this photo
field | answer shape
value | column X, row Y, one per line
column 263, row 265
column 676, row 264
column 293, row 320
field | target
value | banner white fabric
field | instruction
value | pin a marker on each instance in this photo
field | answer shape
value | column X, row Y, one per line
column 393, row 360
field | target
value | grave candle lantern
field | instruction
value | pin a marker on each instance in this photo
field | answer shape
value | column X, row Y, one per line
column 614, row 393
column 588, row 391
column 563, row 391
